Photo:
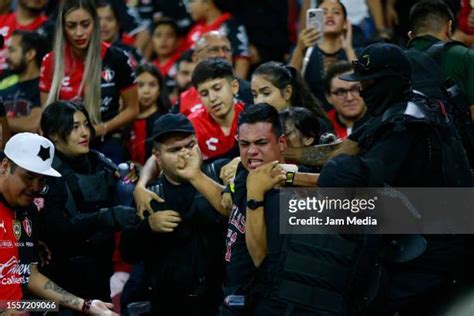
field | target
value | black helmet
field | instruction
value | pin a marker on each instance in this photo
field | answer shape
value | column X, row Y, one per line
column 380, row 60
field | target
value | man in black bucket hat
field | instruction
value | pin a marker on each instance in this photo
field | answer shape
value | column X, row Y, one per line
column 409, row 142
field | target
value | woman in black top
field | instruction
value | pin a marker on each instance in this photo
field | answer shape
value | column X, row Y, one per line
column 80, row 210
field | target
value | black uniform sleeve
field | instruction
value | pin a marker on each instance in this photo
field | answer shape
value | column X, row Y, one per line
column 58, row 220
column 124, row 66
column 136, row 242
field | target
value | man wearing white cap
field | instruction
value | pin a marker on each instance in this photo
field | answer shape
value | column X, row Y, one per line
column 23, row 173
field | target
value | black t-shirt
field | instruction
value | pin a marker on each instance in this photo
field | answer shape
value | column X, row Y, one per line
column 239, row 264
column 19, row 99
column 182, row 261
column 315, row 72
column 117, row 75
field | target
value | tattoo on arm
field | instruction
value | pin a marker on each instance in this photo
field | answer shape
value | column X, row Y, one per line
column 66, row 297
column 314, row 157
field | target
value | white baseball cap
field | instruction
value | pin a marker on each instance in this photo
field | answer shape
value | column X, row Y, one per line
column 32, row 152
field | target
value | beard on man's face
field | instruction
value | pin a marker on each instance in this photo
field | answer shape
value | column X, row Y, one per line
column 18, row 68
column 32, row 8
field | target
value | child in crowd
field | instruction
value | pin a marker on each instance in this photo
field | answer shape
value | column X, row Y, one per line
column 216, row 125
column 153, row 102
column 213, row 15
column 165, row 41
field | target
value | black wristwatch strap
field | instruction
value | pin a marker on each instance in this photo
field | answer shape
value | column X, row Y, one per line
column 254, row 204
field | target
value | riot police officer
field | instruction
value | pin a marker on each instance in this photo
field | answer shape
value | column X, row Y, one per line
column 81, row 211
column 409, row 142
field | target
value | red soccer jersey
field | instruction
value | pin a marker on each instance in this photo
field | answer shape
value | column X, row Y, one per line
column 210, row 137
column 117, row 75
column 341, row 130
column 73, row 71
column 17, row 252
column 190, row 102
column 168, row 68
column 202, row 28
column 9, row 23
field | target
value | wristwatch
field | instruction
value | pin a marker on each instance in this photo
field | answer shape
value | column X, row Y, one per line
column 254, row 204
column 290, row 177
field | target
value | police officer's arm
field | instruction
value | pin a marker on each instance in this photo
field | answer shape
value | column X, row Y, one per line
column 316, row 156
column 68, row 223
column 47, row 289
column 141, row 194
column 259, row 181
column 303, row 179
column 189, row 168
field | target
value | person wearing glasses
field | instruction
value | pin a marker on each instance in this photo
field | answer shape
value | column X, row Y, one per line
column 349, row 110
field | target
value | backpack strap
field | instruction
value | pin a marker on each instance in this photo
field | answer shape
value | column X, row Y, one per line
column 428, row 64
column 435, row 51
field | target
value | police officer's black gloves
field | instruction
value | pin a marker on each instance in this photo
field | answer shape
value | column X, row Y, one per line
column 118, row 217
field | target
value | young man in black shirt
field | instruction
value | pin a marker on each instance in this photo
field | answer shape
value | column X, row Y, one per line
column 19, row 92
column 182, row 242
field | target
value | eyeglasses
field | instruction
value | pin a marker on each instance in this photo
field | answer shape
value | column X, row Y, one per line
column 341, row 93
column 215, row 49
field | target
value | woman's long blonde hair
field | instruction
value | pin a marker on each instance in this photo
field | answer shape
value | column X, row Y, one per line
column 90, row 82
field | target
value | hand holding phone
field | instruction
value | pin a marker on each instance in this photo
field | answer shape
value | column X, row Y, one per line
column 315, row 19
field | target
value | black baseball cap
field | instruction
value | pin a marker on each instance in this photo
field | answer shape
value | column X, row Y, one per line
column 171, row 123
column 380, row 60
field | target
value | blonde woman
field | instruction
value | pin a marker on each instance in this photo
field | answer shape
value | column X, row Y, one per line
column 82, row 68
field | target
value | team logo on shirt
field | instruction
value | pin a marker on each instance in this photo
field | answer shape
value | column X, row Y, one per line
column 66, row 81
column 108, row 74
column 27, row 226
column 211, row 143
column 2, row 226
column 16, row 229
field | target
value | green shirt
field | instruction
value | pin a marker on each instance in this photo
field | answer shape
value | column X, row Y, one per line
column 457, row 63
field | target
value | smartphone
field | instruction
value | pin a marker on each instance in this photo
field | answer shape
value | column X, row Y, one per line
column 315, row 19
